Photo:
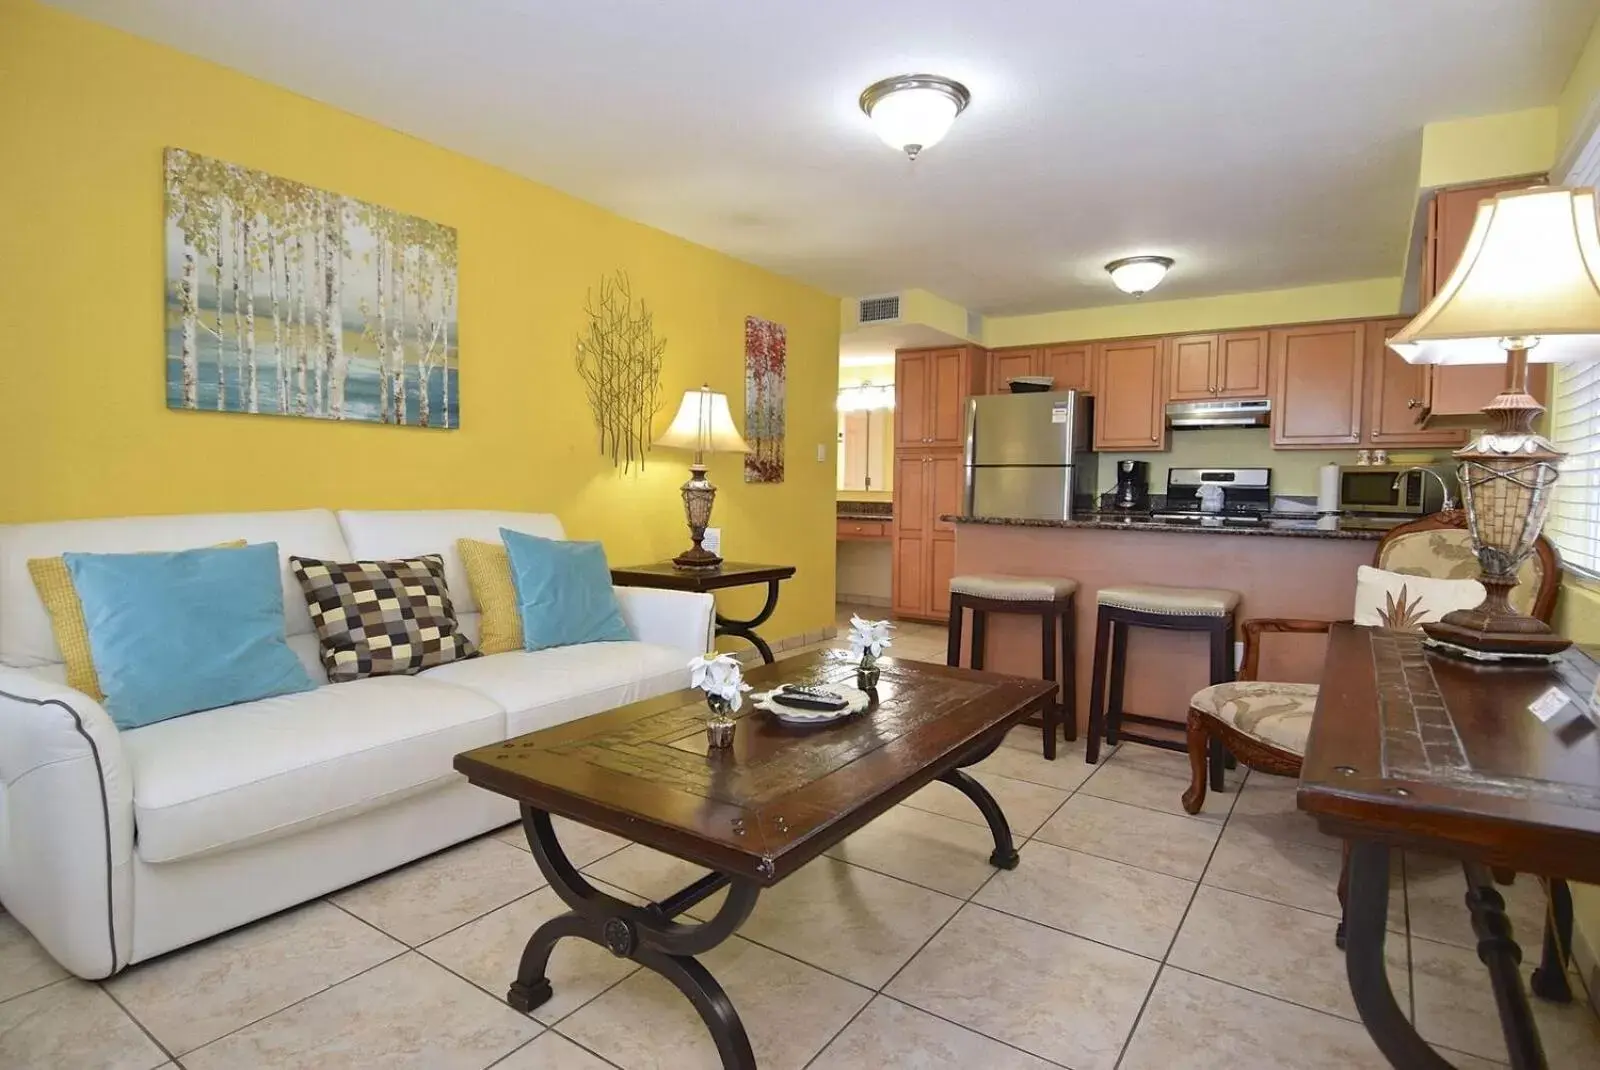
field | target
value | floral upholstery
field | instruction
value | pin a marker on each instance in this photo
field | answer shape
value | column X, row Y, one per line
column 1446, row 554
column 1278, row 715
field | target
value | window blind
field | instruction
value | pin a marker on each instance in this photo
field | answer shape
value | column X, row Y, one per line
column 1574, row 524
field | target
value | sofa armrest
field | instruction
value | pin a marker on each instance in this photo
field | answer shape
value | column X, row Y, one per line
column 679, row 619
column 66, row 803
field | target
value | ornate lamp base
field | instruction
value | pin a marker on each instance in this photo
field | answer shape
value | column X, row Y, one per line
column 698, row 497
column 1511, row 634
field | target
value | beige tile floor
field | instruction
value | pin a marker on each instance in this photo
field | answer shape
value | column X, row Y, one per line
column 1132, row 936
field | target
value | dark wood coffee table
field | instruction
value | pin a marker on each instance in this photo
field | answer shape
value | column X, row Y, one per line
column 1412, row 749
column 752, row 814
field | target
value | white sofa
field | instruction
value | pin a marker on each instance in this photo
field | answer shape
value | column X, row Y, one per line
column 118, row 846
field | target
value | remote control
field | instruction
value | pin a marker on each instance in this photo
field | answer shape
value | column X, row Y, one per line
column 810, row 698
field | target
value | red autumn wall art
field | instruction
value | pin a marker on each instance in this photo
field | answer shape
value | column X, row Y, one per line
column 766, row 349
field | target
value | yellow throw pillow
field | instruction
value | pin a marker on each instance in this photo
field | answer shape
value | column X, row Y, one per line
column 54, row 583
column 489, row 573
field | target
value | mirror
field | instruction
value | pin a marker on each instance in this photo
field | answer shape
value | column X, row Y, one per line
column 866, row 437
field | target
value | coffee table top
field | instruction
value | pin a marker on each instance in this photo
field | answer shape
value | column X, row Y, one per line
column 780, row 795
column 1423, row 750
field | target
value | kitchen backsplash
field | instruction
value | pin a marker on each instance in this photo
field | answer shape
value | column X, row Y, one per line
column 1293, row 471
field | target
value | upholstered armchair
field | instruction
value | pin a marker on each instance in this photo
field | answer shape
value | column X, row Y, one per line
column 1266, row 724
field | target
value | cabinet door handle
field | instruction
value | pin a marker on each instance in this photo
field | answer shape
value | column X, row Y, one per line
column 1413, row 403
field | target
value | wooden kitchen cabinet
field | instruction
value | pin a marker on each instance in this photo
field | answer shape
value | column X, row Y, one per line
column 850, row 530
column 1205, row 366
column 1397, row 395
column 928, row 485
column 1316, row 372
column 1192, row 367
column 1007, row 364
column 1458, row 391
column 1131, row 395
column 1242, row 365
column 931, row 390
column 1071, row 366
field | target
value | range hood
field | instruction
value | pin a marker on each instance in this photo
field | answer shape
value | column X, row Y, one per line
column 1255, row 412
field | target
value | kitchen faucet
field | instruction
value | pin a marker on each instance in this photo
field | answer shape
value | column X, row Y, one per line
column 1447, row 503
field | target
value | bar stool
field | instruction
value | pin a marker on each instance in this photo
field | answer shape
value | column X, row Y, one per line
column 1185, row 609
column 1050, row 598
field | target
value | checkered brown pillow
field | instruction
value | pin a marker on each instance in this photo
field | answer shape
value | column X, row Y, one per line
column 381, row 618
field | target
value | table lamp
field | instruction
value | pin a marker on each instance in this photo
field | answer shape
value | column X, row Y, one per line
column 1527, row 289
column 704, row 425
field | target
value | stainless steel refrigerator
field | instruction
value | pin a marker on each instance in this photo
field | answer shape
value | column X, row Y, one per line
column 1030, row 455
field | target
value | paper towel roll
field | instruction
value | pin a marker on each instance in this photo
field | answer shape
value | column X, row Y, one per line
column 1328, row 489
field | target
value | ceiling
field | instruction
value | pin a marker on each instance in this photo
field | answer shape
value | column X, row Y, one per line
column 1263, row 144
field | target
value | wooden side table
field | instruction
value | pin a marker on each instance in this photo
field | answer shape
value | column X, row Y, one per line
column 1414, row 750
column 663, row 574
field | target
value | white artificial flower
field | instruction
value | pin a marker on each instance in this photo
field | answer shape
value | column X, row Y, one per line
column 869, row 636
column 719, row 675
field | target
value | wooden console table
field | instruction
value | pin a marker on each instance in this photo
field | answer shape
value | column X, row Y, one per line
column 1414, row 750
column 664, row 574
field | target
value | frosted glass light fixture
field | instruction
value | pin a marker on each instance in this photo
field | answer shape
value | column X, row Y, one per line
column 911, row 112
column 1138, row 275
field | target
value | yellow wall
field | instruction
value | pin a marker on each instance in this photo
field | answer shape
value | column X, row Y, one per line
column 85, row 112
column 1583, row 86
column 1342, row 300
column 1488, row 146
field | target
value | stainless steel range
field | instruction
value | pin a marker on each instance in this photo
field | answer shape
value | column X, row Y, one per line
column 1216, row 497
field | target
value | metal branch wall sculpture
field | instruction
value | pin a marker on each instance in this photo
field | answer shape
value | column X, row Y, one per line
column 619, row 361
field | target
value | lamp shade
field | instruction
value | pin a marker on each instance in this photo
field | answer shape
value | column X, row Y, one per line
column 1530, row 271
column 703, row 424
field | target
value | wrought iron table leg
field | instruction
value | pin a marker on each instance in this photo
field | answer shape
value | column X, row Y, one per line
column 1549, row 980
column 646, row 935
column 1366, row 921
column 1005, row 852
column 745, row 629
column 1498, row 951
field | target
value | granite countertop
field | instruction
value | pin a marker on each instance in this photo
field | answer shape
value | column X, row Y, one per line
column 1276, row 527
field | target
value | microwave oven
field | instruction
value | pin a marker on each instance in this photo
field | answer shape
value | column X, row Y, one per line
column 1393, row 489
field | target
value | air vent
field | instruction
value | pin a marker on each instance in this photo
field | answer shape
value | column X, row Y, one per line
column 975, row 325
column 879, row 309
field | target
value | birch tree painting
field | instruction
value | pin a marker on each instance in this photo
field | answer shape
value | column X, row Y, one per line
column 293, row 301
column 766, row 354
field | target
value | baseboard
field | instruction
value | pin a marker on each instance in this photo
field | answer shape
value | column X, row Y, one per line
column 752, row 656
column 863, row 600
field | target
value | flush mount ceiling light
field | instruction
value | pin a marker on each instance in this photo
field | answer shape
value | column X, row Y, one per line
column 910, row 112
column 1138, row 275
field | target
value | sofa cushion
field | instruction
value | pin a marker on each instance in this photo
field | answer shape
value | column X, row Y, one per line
column 26, row 638
column 264, row 769
column 381, row 618
column 540, row 688
column 190, row 630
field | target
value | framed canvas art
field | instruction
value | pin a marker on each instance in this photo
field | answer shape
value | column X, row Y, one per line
column 289, row 300
column 766, row 349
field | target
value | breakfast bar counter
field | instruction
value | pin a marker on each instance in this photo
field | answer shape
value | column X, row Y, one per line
column 1295, row 572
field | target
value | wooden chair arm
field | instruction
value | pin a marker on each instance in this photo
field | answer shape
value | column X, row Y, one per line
column 1255, row 628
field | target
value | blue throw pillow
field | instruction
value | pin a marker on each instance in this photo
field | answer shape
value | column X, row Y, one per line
column 174, row 633
column 563, row 592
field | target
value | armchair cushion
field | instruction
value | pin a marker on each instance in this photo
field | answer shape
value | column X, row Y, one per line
column 1404, row 602
column 1279, row 715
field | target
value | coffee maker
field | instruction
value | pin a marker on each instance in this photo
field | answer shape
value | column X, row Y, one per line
column 1133, row 485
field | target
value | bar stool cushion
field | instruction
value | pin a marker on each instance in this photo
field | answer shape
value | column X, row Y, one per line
column 1013, row 588
column 1173, row 601
column 1277, row 714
